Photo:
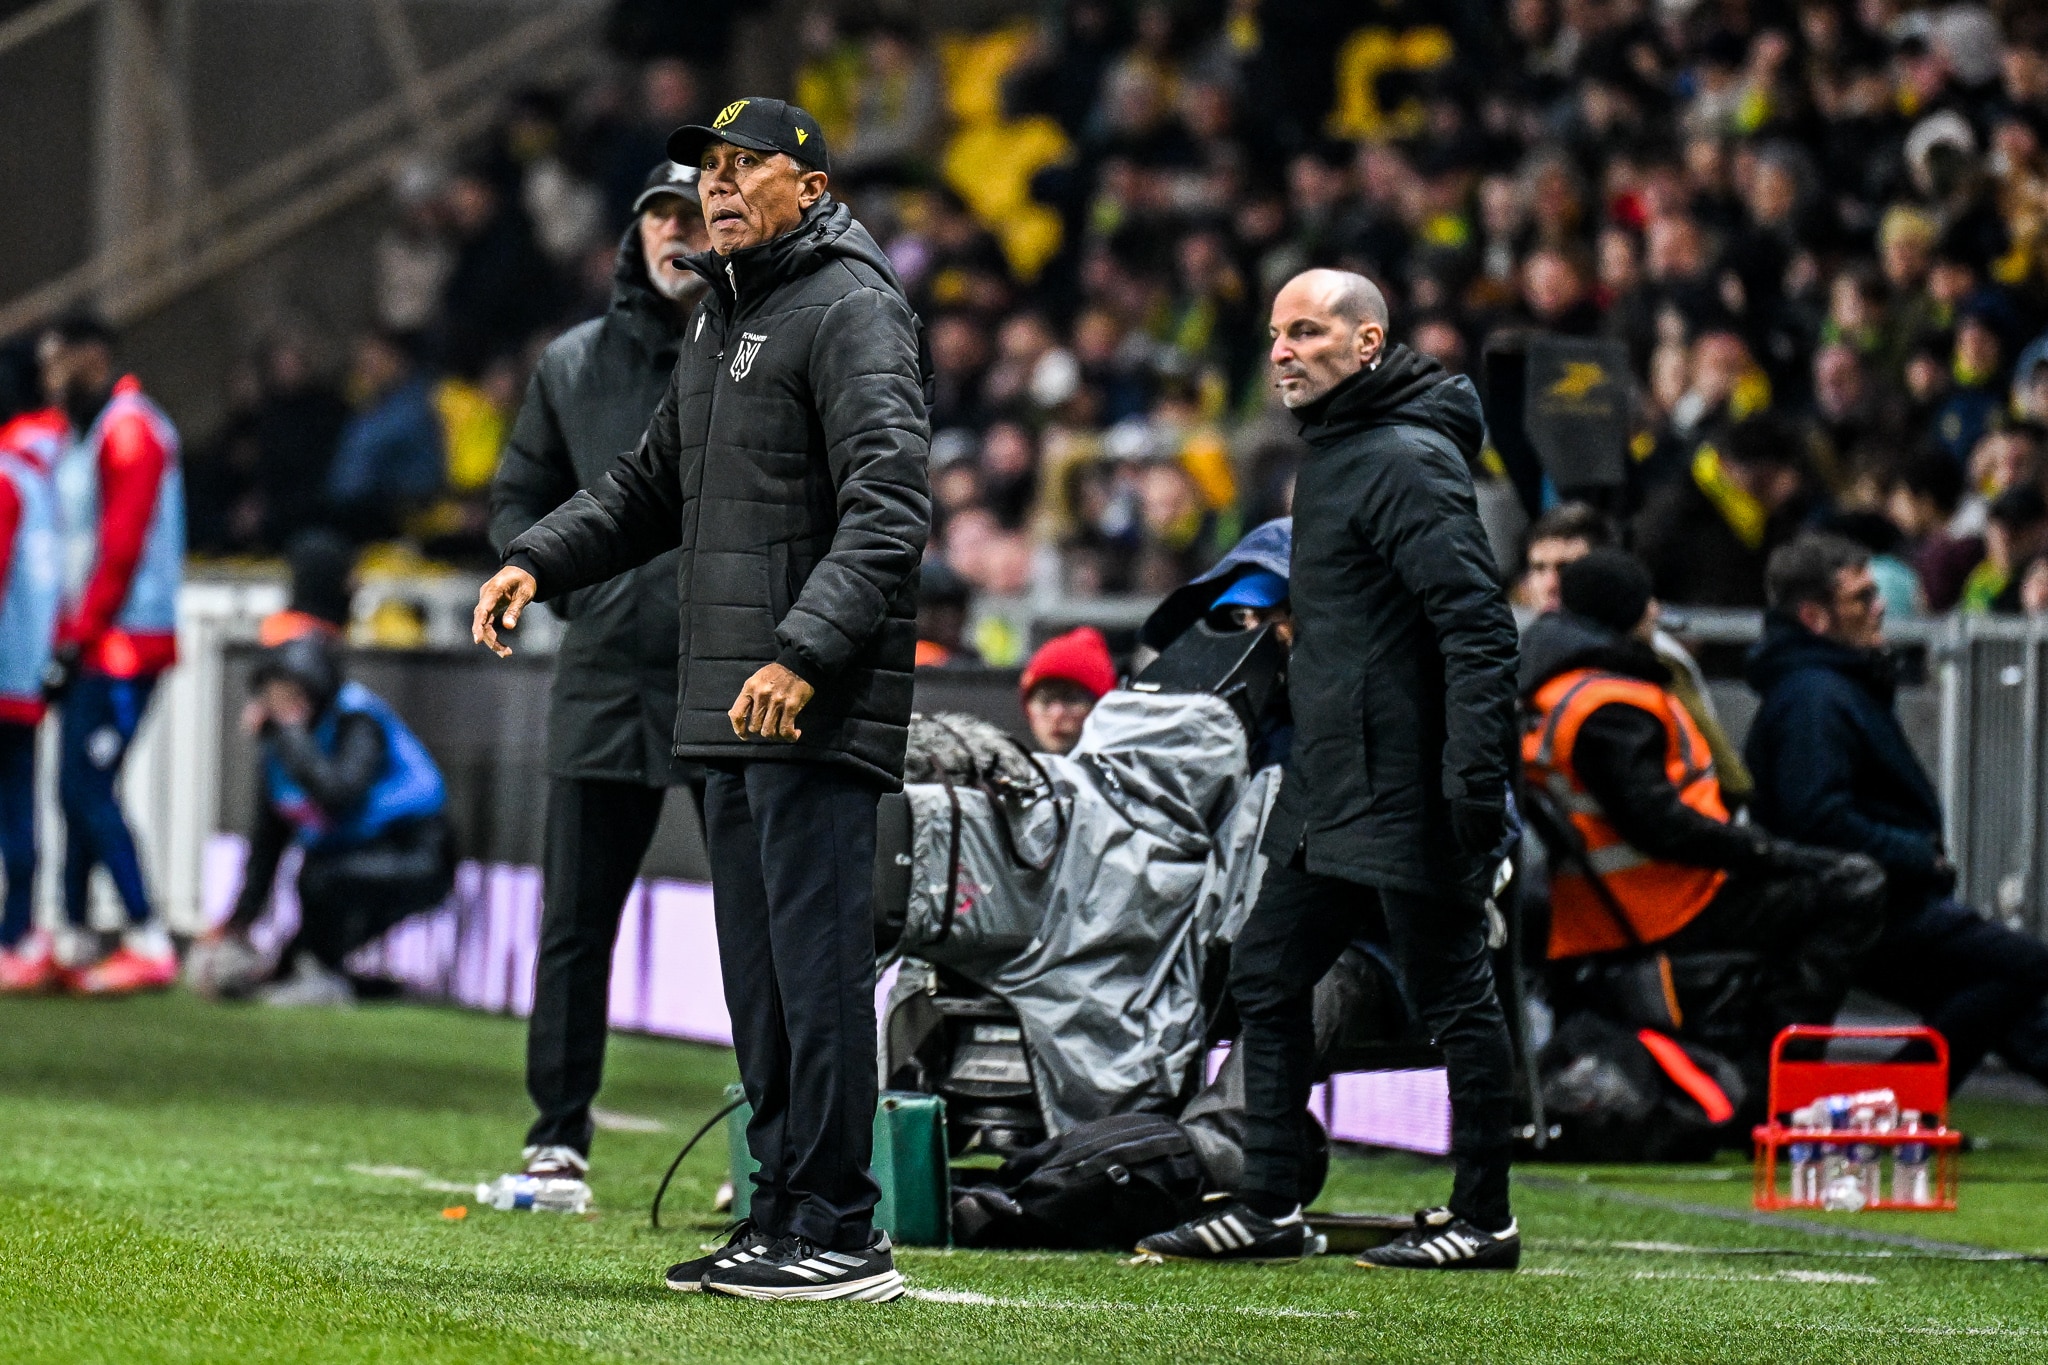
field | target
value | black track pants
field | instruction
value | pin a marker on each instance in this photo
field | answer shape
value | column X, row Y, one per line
column 792, row 876
column 1296, row 931
column 597, row 834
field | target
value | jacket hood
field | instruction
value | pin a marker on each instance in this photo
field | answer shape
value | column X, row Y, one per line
column 1406, row 388
column 654, row 320
column 826, row 232
column 1788, row 647
column 1268, row 546
column 1558, row 642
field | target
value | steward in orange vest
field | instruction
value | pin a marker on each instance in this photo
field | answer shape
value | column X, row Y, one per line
column 1609, row 742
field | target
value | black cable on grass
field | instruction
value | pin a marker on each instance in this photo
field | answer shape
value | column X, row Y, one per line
column 654, row 1214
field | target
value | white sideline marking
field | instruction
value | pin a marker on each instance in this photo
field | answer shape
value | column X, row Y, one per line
column 1775, row 1277
column 391, row 1172
column 612, row 1121
column 969, row 1298
column 1915, row 1331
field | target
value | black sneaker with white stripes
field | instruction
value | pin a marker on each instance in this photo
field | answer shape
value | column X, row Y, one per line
column 1440, row 1240
column 1235, row 1233
column 745, row 1243
column 794, row 1268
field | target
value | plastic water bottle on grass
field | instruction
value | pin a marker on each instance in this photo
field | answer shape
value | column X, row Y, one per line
column 1841, row 1178
column 544, row 1194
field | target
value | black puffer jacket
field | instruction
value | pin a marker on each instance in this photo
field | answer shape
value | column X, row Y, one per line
column 1402, row 677
column 787, row 460
column 612, row 710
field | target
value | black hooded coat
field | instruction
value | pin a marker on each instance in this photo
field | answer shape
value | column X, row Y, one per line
column 1402, row 677
column 612, row 709
column 787, row 463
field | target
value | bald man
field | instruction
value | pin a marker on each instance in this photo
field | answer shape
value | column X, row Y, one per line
column 1393, row 808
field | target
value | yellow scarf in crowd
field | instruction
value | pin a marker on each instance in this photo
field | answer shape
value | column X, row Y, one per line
column 1745, row 516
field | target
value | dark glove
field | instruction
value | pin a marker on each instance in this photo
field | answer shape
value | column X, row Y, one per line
column 60, row 673
column 1786, row 858
column 1480, row 825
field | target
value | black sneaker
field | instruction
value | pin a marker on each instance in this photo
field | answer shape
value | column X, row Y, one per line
column 745, row 1244
column 1235, row 1233
column 797, row 1269
column 1440, row 1240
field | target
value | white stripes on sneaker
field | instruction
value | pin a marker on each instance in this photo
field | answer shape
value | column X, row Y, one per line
column 1223, row 1234
column 826, row 1265
column 758, row 1249
column 1456, row 1246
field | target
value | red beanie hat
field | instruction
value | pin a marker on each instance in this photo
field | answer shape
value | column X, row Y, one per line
column 1081, row 656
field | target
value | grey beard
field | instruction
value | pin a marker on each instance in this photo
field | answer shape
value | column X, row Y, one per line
column 676, row 288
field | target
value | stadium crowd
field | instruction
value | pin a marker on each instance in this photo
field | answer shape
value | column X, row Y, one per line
column 1820, row 228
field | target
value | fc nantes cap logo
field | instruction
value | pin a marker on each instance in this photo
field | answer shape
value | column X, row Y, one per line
column 765, row 125
column 729, row 113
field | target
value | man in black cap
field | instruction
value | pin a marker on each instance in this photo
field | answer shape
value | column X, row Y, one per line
column 612, row 711
column 1623, row 761
column 787, row 464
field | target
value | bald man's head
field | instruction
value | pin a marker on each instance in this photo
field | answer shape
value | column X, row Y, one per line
column 1327, row 326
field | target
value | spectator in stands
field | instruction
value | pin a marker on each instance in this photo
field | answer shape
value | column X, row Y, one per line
column 2015, row 534
column 323, row 566
column 31, row 577
column 1923, row 501
column 1834, row 768
column 391, row 458
column 344, row 778
column 1061, row 684
column 1706, row 537
column 121, row 516
column 502, row 286
column 1657, row 858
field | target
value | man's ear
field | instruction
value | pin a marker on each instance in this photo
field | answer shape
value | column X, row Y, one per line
column 1372, row 339
column 811, row 188
column 1815, row 617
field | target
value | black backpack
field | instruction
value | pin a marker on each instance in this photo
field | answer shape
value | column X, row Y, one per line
column 1612, row 1099
column 1100, row 1186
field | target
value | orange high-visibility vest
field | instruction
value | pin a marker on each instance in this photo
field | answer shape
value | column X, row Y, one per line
column 1658, row 898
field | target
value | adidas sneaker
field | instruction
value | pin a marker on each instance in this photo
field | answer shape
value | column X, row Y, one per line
column 1235, row 1233
column 797, row 1269
column 745, row 1244
column 1440, row 1240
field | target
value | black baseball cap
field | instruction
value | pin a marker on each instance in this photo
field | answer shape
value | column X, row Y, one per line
column 668, row 178
column 764, row 125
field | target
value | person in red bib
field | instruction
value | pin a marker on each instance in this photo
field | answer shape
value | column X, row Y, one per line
column 1617, row 754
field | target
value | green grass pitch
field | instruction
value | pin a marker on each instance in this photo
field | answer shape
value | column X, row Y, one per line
column 181, row 1182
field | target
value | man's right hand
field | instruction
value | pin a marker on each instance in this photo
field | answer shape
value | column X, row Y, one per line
column 498, row 602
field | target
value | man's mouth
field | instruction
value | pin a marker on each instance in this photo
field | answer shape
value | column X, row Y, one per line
column 725, row 216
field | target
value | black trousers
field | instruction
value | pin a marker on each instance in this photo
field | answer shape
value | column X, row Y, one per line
column 1296, row 931
column 1983, row 985
column 348, row 898
column 792, row 879
column 597, row 833
column 1810, row 933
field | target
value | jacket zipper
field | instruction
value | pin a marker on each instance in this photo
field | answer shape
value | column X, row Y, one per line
column 704, row 449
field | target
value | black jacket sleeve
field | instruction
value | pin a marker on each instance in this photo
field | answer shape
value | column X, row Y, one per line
column 267, row 843
column 870, row 407
column 336, row 782
column 633, row 514
column 535, row 473
column 1619, row 758
column 1421, row 511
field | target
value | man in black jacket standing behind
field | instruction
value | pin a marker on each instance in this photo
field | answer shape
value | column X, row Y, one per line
column 612, row 709
column 1393, row 808
column 786, row 463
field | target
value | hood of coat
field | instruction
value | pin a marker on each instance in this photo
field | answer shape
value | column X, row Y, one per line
column 1406, row 388
column 651, row 319
column 827, row 232
column 1268, row 546
column 1558, row 642
column 1788, row 647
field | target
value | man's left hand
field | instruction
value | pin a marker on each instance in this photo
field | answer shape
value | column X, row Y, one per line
column 769, row 705
column 1480, row 825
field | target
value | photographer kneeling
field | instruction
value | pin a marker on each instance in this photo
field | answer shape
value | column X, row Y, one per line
column 342, row 775
column 1659, row 862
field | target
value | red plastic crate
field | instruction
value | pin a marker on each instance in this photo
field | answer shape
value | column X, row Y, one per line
column 1918, row 1085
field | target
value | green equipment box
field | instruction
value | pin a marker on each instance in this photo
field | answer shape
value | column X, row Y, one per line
column 910, row 1165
